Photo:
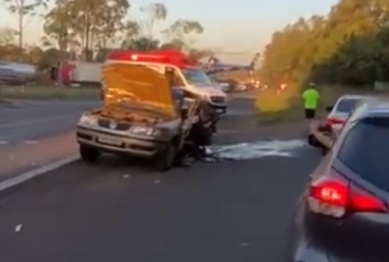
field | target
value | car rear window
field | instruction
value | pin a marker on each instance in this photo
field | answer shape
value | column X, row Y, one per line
column 365, row 151
column 346, row 105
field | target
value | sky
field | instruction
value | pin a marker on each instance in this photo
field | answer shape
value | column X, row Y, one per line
column 231, row 26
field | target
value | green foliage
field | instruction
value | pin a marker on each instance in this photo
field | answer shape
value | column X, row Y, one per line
column 348, row 46
column 143, row 35
column 23, row 9
column 85, row 25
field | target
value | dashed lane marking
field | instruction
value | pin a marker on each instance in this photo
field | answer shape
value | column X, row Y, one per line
column 36, row 172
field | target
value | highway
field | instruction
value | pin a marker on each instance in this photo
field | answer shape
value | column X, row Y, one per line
column 33, row 120
column 122, row 210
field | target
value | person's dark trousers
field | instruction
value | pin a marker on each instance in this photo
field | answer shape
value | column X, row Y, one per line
column 309, row 113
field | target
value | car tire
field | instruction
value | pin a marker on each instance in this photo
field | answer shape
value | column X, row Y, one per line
column 166, row 159
column 312, row 141
column 89, row 154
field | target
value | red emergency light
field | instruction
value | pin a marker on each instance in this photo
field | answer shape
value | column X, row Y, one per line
column 171, row 57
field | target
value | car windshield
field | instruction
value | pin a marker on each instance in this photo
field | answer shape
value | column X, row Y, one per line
column 197, row 77
column 373, row 151
column 346, row 105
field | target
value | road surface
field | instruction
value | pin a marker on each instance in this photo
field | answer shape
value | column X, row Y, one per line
column 124, row 211
column 33, row 120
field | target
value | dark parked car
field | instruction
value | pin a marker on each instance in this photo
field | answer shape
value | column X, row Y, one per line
column 343, row 214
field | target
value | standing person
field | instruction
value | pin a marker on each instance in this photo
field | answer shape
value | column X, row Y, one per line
column 311, row 99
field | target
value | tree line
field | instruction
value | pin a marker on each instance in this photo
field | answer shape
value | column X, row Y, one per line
column 89, row 29
column 348, row 46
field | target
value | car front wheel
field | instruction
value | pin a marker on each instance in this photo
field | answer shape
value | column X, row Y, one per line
column 166, row 158
column 89, row 154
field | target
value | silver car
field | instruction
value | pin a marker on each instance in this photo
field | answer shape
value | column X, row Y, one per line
column 340, row 112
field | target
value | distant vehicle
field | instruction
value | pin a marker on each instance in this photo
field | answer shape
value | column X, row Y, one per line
column 188, row 75
column 16, row 73
column 343, row 213
column 76, row 72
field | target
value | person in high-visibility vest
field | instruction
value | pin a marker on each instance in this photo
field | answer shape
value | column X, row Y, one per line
column 311, row 99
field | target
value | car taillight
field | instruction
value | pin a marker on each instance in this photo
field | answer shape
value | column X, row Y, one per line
column 335, row 195
column 334, row 121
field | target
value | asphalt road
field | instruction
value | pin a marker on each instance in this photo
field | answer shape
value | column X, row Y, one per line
column 230, row 211
column 121, row 210
column 32, row 120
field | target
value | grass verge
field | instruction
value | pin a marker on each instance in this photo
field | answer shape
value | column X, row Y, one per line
column 43, row 93
column 285, row 107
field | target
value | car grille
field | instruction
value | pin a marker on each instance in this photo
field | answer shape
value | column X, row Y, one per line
column 218, row 99
column 106, row 123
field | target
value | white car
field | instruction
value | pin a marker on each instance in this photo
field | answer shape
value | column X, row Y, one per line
column 340, row 112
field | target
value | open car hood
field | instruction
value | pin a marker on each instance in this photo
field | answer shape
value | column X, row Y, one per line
column 139, row 86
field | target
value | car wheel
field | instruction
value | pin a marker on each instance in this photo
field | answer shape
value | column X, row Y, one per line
column 89, row 154
column 312, row 141
column 166, row 159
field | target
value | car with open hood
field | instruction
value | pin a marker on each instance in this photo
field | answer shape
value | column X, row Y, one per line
column 142, row 115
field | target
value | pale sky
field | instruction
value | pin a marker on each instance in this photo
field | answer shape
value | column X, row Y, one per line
column 243, row 25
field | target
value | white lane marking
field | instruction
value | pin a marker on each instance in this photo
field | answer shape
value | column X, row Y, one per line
column 27, row 123
column 37, row 172
column 31, row 142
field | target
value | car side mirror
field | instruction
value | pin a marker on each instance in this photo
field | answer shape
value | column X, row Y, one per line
column 329, row 108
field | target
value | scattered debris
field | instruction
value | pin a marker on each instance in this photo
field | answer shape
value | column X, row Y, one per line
column 157, row 181
column 258, row 149
column 126, row 176
column 18, row 228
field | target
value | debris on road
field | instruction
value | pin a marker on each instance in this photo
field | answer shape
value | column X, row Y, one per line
column 18, row 228
column 258, row 149
column 244, row 244
column 126, row 176
column 157, row 181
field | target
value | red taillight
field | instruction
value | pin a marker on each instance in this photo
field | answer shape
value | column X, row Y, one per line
column 335, row 121
column 334, row 195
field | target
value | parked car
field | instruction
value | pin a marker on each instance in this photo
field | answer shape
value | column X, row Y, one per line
column 338, row 115
column 224, row 84
column 139, row 119
column 343, row 213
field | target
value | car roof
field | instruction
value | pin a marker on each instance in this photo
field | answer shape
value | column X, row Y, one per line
column 356, row 97
column 373, row 108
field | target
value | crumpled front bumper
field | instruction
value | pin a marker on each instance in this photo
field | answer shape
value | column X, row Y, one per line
column 114, row 143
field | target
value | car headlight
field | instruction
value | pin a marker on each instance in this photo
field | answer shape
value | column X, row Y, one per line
column 87, row 120
column 144, row 131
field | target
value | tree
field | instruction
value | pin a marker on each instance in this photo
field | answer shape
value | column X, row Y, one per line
column 23, row 9
column 182, row 30
column 7, row 35
column 87, row 25
column 144, row 34
column 347, row 46
column 142, row 44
